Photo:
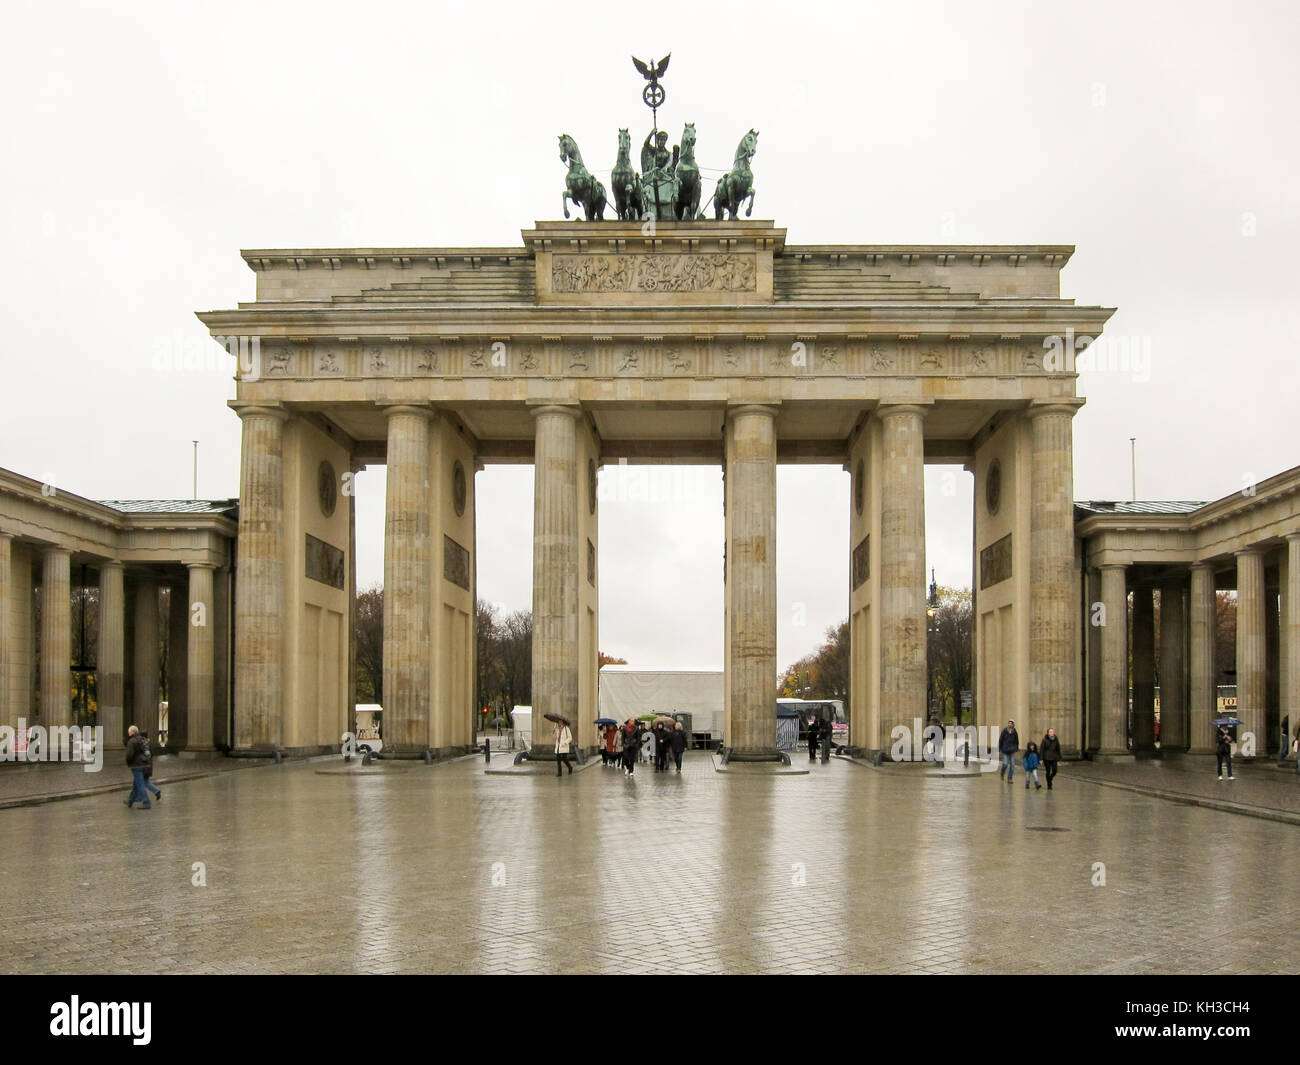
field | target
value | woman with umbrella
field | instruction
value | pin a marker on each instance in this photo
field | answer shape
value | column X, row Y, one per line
column 563, row 743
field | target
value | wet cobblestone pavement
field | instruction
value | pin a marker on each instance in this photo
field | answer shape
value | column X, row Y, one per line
column 447, row 869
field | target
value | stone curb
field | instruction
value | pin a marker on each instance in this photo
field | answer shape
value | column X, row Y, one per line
column 237, row 765
column 1261, row 812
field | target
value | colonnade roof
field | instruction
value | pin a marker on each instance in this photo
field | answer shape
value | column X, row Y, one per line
column 1258, row 517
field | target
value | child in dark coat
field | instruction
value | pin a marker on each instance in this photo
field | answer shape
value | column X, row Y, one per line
column 1030, row 763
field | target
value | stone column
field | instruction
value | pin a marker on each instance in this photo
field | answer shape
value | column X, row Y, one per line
column 56, row 637
column 902, row 571
column 1053, row 682
column 178, row 643
column 1290, row 701
column 1204, row 692
column 751, row 582
column 555, row 571
column 1144, row 669
column 110, row 680
column 1173, row 685
column 259, row 584
column 7, row 717
column 145, row 641
column 407, row 590
column 1251, row 656
column 1114, row 662
column 200, row 659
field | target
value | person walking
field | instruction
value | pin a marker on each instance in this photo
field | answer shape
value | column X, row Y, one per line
column 148, row 769
column 618, row 748
column 1031, row 766
column 563, row 741
column 665, row 745
column 1223, row 749
column 678, row 742
column 138, row 756
column 643, row 744
column 1050, row 753
column 813, row 733
column 631, row 746
column 1008, row 745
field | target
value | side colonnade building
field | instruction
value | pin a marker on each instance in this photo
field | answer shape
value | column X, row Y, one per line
column 53, row 542
column 1181, row 554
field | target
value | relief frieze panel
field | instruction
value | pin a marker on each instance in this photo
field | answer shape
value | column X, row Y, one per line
column 731, row 272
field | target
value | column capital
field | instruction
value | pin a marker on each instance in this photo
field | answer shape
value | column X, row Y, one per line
column 1113, row 565
column 1291, row 537
column 573, row 410
column 251, row 410
column 768, row 410
column 888, row 409
column 1054, row 406
column 55, row 549
column 1247, row 552
column 1202, row 566
column 419, row 410
column 201, row 565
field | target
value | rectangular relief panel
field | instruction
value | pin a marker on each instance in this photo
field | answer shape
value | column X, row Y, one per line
column 455, row 563
column 325, row 563
column 995, row 563
column 861, row 563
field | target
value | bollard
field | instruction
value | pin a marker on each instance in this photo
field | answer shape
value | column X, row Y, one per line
column 487, row 750
column 428, row 757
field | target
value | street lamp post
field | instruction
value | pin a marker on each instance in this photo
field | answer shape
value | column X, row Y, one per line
column 930, row 612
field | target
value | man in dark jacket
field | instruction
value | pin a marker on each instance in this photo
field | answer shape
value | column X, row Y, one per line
column 813, row 733
column 1050, row 753
column 137, row 757
column 677, row 741
column 631, row 744
column 1008, row 745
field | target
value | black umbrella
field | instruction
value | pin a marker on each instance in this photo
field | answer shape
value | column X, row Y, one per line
column 559, row 719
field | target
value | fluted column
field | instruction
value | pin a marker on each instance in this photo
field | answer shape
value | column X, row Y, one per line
column 902, row 571
column 1204, row 692
column 1251, row 655
column 1053, row 682
column 178, row 642
column 111, row 661
column 1144, row 669
column 147, row 653
column 259, row 583
column 56, row 637
column 555, row 570
column 200, row 658
column 7, row 717
column 1173, row 684
column 1290, row 701
column 1114, row 661
column 407, row 551
column 751, row 581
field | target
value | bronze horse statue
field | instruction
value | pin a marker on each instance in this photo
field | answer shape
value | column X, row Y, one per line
column 738, row 182
column 627, row 182
column 581, row 186
column 688, row 178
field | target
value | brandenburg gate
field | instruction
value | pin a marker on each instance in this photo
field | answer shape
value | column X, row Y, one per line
column 707, row 341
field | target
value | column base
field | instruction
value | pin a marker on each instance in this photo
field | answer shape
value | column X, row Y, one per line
column 1113, row 757
column 754, row 754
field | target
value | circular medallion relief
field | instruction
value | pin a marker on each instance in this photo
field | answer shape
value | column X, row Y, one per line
column 327, row 488
column 859, row 488
column 591, row 485
column 993, row 487
column 458, row 488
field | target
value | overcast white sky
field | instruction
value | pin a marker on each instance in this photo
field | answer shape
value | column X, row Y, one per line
column 145, row 144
